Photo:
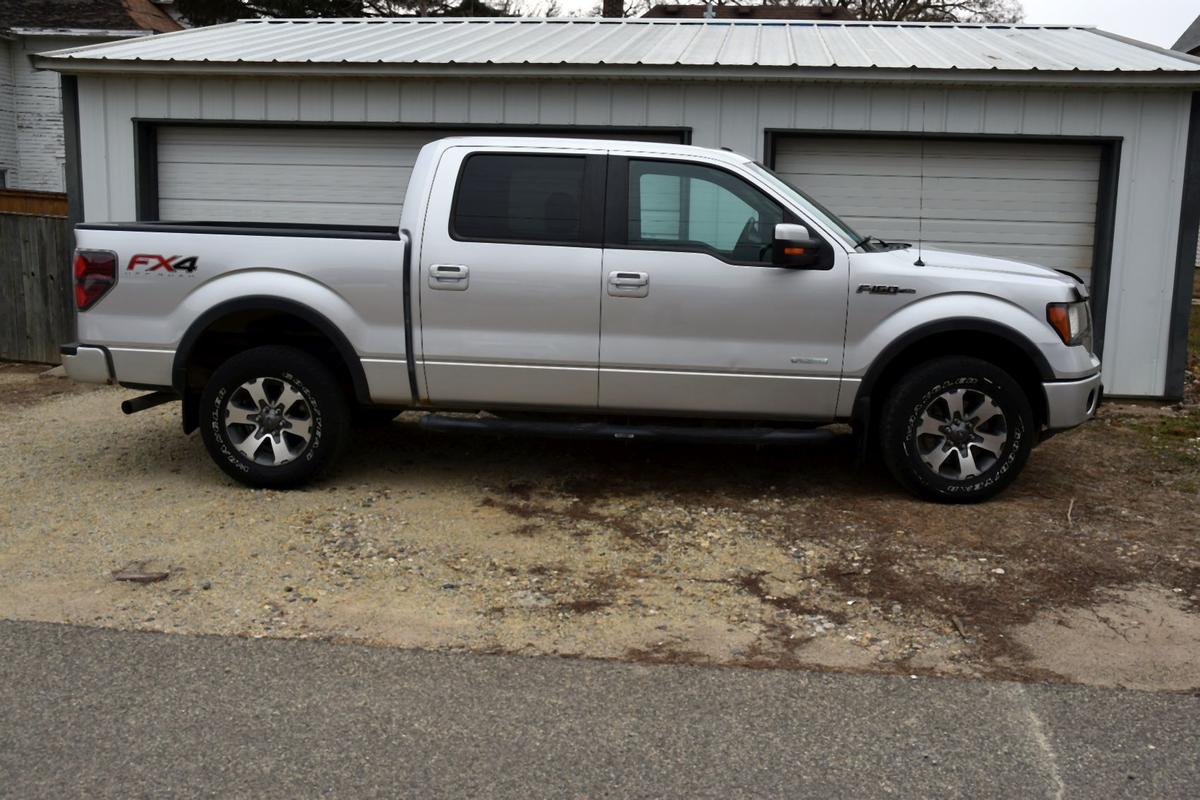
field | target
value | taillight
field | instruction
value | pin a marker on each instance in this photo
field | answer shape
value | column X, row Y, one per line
column 95, row 274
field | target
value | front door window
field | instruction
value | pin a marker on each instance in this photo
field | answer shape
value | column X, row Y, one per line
column 685, row 206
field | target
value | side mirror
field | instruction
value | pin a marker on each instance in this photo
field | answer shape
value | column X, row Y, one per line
column 795, row 247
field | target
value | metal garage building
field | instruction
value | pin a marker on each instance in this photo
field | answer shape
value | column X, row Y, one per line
column 1064, row 146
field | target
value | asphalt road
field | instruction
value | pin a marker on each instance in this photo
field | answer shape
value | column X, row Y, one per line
column 95, row 713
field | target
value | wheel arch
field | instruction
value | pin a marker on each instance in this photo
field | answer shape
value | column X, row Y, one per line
column 234, row 317
column 990, row 341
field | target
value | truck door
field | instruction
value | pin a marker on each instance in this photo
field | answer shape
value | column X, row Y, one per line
column 695, row 319
column 510, row 265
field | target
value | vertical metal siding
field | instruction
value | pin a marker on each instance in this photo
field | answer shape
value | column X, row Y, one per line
column 1152, row 124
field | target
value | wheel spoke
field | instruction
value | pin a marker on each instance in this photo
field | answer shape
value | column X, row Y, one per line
column 987, row 411
column 289, row 397
column 954, row 403
column 279, row 449
column 967, row 467
column 992, row 442
column 937, row 456
column 256, row 391
column 239, row 416
column 301, row 428
column 930, row 426
column 249, row 446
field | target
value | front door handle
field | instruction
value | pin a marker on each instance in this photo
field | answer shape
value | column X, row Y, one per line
column 449, row 277
column 628, row 284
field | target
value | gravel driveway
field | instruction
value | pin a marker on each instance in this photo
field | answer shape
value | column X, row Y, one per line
column 1087, row 570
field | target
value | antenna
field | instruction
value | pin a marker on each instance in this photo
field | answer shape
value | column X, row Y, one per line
column 920, row 262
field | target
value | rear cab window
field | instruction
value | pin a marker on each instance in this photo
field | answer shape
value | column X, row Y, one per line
column 524, row 199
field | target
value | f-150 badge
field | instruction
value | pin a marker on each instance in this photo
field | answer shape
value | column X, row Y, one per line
column 148, row 262
column 879, row 288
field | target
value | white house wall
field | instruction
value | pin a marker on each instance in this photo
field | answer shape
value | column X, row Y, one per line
column 1153, row 126
column 8, row 119
column 38, row 112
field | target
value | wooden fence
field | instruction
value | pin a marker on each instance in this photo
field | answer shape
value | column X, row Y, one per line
column 37, row 310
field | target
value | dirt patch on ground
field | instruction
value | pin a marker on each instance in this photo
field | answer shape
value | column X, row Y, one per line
column 18, row 387
column 769, row 558
column 1140, row 638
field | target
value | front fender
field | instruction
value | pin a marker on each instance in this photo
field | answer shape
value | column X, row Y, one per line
column 870, row 343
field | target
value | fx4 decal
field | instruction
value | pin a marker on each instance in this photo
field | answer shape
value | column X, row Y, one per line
column 879, row 288
column 149, row 262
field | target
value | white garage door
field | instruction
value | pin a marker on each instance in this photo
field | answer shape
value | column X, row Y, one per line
column 1030, row 201
column 336, row 176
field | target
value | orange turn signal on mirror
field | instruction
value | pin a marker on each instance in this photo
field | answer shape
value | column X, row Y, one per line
column 793, row 251
column 1056, row 315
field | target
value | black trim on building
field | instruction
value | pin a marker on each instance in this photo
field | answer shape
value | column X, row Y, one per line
column 1105, row 231
column 145, row 170
column 74, row 158
column 1185, row 260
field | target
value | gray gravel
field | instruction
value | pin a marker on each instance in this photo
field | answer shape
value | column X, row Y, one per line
column 103, row 714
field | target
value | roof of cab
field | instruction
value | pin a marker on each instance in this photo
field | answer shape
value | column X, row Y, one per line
column 590, row 145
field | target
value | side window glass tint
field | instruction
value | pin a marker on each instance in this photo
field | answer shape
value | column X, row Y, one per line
column 519, row 198
column 694, row 207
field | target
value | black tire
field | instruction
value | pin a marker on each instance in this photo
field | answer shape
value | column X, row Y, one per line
column 923, row 399
column 314, row 425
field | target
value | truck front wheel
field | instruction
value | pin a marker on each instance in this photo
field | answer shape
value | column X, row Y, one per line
column 956, row 430
column 273, row 417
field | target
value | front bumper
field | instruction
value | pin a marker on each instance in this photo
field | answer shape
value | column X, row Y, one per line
column 1071, row 403
column 85, row 363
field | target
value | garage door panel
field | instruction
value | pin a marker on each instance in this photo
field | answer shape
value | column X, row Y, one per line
column 885, row 200
column 301, row 175
column 1032, row 201
column 178, row 153
column 268, row 183
column 978, row 232
column 280, row 211
column 903, row 157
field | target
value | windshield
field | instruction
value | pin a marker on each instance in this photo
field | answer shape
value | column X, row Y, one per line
column 810, row 206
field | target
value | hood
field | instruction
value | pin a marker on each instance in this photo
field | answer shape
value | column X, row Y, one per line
column 965, row 261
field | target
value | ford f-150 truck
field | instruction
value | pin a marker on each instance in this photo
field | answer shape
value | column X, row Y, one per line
column 587, row 288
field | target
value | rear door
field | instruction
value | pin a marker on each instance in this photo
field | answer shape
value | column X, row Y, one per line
column 510, row 269
column 695, row 319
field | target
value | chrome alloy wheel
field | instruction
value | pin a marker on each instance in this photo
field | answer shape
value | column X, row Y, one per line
column 268, row 421
column 961, row 433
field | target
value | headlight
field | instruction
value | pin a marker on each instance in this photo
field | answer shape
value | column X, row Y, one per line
column 1072, row 322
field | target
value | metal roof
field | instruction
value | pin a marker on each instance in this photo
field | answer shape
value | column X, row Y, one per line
column 668, row 48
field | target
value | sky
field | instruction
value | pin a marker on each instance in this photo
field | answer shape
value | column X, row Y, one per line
column 1159, row 22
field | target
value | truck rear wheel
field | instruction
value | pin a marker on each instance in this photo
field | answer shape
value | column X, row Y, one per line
column 273, row 417
column 956, row 430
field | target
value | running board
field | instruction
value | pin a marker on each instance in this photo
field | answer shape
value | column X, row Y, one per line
column 606, row 430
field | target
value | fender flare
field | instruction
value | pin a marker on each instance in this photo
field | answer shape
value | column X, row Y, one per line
column 345, row 350
column 951, row 325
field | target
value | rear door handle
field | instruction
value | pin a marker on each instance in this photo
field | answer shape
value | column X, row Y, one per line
column 449, row 277
column 628, row 284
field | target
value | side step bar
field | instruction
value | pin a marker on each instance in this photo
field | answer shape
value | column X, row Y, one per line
column 606, row 430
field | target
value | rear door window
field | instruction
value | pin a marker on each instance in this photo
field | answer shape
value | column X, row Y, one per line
column 536, row 199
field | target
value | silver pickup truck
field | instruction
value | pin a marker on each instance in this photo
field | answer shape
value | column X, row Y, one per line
column 587, row 288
